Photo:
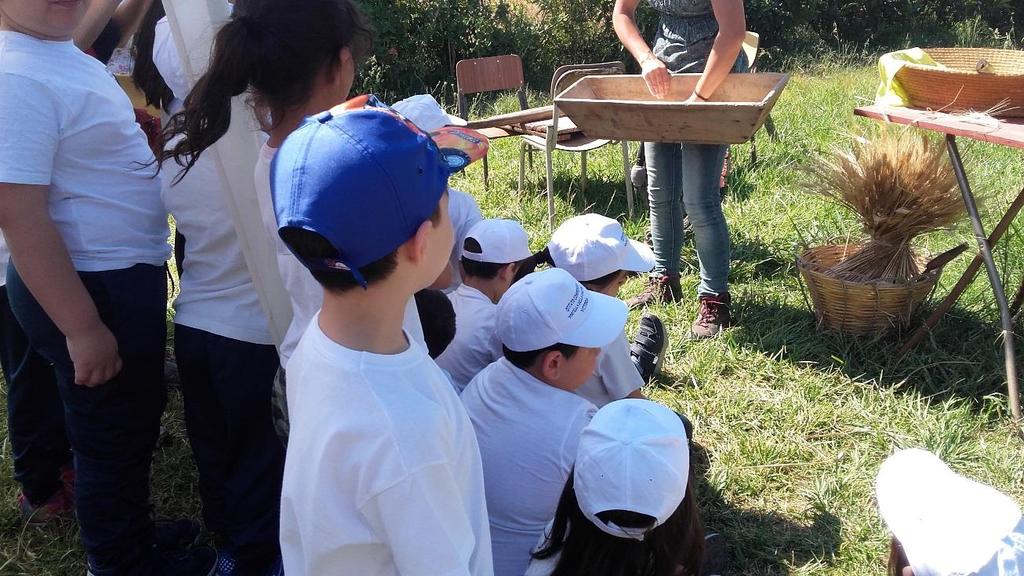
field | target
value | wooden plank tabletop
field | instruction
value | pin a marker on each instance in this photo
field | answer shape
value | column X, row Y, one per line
column 520, row 117
column 1003, row 131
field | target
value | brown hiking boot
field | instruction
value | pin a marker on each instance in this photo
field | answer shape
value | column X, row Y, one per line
column 712, row 316
column 663, row 288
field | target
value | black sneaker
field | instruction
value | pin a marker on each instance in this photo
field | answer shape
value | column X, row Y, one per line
column 647, row 347
column 716, row 555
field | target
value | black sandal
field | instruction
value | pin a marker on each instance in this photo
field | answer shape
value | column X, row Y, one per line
column 647, row 346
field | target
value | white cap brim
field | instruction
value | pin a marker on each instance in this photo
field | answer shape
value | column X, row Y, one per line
column 603, row 324
column 639, row 257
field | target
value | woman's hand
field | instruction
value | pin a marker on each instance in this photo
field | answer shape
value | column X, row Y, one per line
column 658, row 79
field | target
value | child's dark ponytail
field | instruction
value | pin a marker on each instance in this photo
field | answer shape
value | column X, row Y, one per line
column 207, row 113
column 273, row 49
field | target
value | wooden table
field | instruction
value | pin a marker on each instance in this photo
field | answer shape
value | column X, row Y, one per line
column 1008, row 132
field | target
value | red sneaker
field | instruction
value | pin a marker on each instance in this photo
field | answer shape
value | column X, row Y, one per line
column 56, row 507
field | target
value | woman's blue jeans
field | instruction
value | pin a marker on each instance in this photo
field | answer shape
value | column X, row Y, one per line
column 683, row 180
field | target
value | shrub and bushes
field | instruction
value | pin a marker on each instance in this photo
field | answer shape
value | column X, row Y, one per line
column 419, row 41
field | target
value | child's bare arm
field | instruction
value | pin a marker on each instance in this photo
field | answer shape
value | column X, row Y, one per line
column 44, row 265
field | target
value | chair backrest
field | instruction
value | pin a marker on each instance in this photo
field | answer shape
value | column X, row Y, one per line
column 567, row 75
column 750, row 44
column 490, row 74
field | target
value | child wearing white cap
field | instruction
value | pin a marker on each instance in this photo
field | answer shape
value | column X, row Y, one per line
column 944, row 524
column 527, row 419
column 628, row 506
column 491, row 254
column 596, row 251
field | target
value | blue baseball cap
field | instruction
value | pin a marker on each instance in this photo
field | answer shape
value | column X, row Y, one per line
column 364, row 178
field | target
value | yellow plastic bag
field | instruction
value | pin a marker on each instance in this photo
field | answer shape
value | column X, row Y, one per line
column 890, row 93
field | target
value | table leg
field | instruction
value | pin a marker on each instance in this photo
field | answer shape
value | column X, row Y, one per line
column 965, row 279
column 993, row 276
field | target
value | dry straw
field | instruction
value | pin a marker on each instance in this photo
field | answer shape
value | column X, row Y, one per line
column 900, row 185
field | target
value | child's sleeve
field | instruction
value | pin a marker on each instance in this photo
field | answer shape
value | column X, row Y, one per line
column 424, row 521
column 29, row 131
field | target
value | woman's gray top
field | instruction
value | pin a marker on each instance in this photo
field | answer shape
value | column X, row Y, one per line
column 686, row 32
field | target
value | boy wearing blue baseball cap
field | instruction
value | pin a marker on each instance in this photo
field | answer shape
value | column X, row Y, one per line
column 383, row 472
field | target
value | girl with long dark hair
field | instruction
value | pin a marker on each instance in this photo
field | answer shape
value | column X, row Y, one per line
column 222, row 341
column 628, row 507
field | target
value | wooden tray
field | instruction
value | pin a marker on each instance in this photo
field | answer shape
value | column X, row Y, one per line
column 622, row 108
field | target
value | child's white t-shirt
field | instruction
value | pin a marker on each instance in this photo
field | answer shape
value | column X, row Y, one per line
column 476, row 344
column 305, row 293
column 464, row 213
column 615, row 375
column 217, row 292
column 528, row 433
column 66, row 124
column 383, row 473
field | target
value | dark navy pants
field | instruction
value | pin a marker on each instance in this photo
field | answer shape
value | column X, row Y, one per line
column 35, row 414
column 112, row 427
column 226, row 385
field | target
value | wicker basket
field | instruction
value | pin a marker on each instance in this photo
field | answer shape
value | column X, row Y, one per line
column 849, row 307
column 961, row 87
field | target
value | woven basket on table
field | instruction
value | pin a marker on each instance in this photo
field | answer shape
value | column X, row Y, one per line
column 961, row 87
column 870, row 307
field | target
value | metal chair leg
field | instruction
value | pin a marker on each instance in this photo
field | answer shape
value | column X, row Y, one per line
column 629, row 180
column 486, row 180
column 583, row 177
column 522, row 165
column 769, row 125
column 549, row 170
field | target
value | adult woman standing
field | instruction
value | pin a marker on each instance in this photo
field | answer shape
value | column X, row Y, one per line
column 693, row 36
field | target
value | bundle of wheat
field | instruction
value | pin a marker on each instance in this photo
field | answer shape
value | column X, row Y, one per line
column 900, row 185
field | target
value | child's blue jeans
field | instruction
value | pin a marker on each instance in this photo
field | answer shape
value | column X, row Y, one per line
column 112, row 427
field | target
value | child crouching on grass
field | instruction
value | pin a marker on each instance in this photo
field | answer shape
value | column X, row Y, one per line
column 382, row 473
column 596, row 252
column 491, row 255
column 628, row 506
column 523, row 407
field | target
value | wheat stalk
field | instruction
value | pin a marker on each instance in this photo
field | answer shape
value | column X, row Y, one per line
column 901, row 186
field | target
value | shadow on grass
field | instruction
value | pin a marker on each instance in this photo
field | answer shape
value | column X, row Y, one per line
column 754, row 260
column 762, row 542
column 961, row 358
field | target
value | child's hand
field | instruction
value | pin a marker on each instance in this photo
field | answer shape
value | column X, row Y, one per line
column 94, row 354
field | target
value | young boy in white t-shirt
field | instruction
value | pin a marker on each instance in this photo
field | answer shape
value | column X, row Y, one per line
column 523, row 407
column 80, row 209
column 491, row 254
column 382, row 473
column 596, row 251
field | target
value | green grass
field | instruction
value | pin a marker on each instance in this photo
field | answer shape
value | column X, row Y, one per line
column 792, row 423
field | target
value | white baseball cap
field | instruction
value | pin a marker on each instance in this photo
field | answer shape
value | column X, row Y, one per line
column 501, row 242
column 423, row 111
column 633, row 456
column 550, row 307
column 592, row 246
column 946, row 523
